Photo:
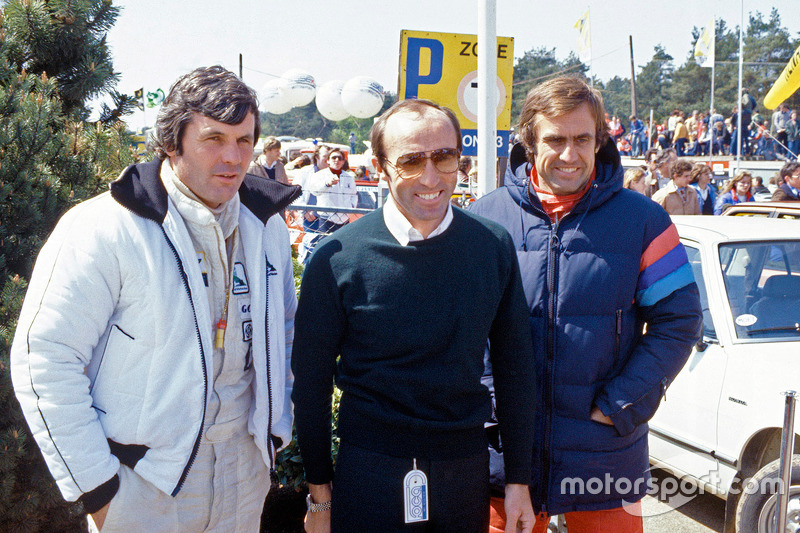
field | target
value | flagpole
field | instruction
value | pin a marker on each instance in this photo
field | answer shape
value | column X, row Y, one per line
column 739, row 114
column 710, row 113
column 591, row 55
column 487, row 96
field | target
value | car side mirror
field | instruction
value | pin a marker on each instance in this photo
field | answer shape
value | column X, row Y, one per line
column 704, row 341
column 701, row 345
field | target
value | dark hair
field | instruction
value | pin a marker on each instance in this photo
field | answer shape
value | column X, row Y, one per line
column 665, row 155
column 419, row 107
column 318, row 149
column 554, row 98
column 681, row 166
column 210, row 91
column 465, row 164
column 788, row 169
column 698, row 170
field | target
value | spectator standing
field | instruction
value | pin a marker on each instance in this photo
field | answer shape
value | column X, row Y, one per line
column 590, row 292
column 706, row 193
column 680, row 137
column 638, row 136
column 310, row 218
column 352, row 139
column 736, row 191
column 151, row 358
column 269, row 165
column 692, row 124
column 746, row 120
column 672, row 123
column 677, row 198
column 778, row 128
column 617, row 128
column 333, row 187
column 380, row 296
column 793, row 136
column 789, row 188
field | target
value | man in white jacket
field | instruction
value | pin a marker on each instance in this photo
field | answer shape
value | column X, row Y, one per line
column 151, row 358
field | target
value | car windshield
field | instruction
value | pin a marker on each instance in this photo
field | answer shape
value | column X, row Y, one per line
column 762, row 281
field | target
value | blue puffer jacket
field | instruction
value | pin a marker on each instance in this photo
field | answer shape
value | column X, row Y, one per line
column 592, row 281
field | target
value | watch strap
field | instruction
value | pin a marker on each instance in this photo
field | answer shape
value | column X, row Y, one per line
column 317, row 507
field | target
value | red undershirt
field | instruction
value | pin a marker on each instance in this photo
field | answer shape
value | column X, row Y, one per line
column 557, row 206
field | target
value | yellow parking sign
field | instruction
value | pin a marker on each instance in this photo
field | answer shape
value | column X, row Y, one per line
column 443, row 67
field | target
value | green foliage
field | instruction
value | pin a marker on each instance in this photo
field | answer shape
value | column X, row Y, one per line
column 51, row 62
column 662, row 86
column 306, row 122
column 536, row 66
column 768, row 46
column 66, row 40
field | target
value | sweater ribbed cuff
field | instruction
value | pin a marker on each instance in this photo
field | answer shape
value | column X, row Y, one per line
column 96, row 499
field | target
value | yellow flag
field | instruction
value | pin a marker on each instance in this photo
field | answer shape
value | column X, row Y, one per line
column 585, row 38
column 704, row 48
column 786, row 84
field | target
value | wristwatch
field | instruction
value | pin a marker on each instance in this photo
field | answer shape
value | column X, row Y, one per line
column 317, row 507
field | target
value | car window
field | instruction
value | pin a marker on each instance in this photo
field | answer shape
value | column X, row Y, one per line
column 697, row 268
column 789, row 216
column 762, row 283
column 760, row 214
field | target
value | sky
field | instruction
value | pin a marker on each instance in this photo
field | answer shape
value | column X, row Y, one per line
column 154, row 42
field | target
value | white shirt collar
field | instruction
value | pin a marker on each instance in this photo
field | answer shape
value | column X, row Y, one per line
column 402, row 230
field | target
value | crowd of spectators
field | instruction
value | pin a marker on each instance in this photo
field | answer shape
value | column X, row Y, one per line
column 767, row 136
column 683, row 187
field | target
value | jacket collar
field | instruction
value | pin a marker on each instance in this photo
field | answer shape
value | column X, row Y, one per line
column 140, row 189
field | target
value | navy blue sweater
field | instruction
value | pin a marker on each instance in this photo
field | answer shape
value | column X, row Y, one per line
column 411, row 324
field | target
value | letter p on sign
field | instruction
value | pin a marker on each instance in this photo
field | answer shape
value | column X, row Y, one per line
column 414, row 76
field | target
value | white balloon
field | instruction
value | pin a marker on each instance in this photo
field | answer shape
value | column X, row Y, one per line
column 302, row 86
column 275, row 97
column 329, row 101
column 362, row 96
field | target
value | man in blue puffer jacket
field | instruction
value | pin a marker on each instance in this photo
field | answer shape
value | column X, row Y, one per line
column 614, row 309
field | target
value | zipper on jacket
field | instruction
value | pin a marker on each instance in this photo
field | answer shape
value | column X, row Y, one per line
column 196, row 446
column 617, row 335
column 269, row 443
column 552, row 262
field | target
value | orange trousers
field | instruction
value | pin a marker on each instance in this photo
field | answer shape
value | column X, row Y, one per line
column 626, row 519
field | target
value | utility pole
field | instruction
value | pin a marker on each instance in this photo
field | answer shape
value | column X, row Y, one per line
column 633, row 80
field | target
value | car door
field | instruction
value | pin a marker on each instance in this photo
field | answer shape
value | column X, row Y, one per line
column 683, row 433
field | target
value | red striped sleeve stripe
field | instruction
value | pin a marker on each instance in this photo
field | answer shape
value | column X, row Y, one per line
column 659, row 247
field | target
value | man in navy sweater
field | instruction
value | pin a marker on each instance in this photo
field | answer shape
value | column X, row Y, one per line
column 408, row 296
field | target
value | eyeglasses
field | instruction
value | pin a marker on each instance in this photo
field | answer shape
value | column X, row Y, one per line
column 409, row 166
column 335, row 157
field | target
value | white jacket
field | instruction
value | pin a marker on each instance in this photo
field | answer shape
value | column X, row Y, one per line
column 108, row 344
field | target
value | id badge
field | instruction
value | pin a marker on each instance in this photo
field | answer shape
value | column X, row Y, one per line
column 415, row 495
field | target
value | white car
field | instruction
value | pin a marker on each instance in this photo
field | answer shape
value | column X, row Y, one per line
column 720, row 422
